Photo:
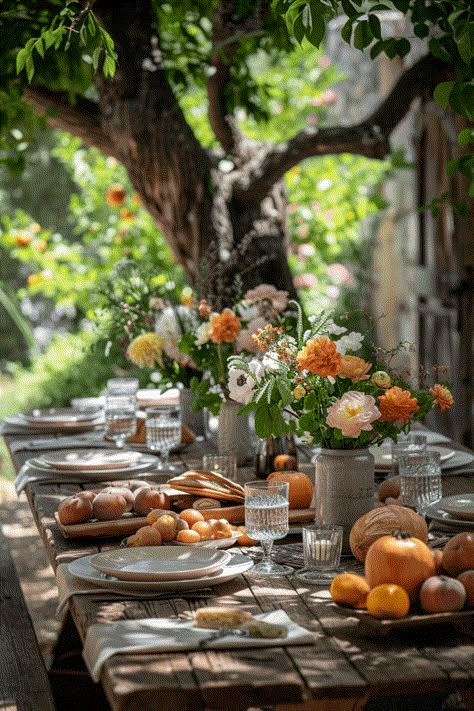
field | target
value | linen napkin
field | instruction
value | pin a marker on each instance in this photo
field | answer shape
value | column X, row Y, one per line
column 152, row 635
column 69, row 585
column 85, row 440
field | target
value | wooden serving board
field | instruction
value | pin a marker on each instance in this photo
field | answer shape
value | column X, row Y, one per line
column 417, row 619
column 130, row 523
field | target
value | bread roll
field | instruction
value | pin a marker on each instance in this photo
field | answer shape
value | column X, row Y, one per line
column 218, row 617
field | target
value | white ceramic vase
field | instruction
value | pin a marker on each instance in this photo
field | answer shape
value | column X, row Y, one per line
column 233, row 434
column 344, row 487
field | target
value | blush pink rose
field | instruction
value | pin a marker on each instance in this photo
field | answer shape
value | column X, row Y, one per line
column 353, row 413
column 244, row 341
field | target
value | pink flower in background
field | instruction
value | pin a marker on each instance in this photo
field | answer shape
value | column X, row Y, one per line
column 353, row 413
column 266, row 292
column 304, row 251
column 244, row 341
column 292, row 207
column 312, row 119
column 327, row 97
column 305, row 281
column 302, row 231
column 324, row 62
column 340, row 273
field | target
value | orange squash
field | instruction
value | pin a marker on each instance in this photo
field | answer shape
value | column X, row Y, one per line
column 380, row 522
column 300, row 490
column 399, row 559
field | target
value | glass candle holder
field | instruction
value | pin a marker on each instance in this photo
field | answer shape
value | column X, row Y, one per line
column 420, row 479
column 322, row 547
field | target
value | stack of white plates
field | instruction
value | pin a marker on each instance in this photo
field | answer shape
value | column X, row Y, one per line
column 93, row 464
column 456, row 512
column 62, row 419
column 449, row 458
column 157, row 568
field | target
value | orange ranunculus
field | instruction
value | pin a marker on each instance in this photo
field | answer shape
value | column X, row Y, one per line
column 397, row 405
column 320, row 357
column 354, row 368
column 126, row 214
column 115, row 195
column 443, row 397
column 225, row 327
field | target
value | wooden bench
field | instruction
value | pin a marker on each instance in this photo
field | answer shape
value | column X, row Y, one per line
column 24, row 684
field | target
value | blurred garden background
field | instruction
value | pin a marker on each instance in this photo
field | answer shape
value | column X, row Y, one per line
column 76, row 238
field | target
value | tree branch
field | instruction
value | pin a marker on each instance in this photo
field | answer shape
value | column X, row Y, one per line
column 227, row 32
column 370, row 138
column 83, row 119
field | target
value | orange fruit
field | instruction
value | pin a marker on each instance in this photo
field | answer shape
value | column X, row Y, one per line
column 245, row 540
column 204, row 529
column 350, row 589
column 458, row 553
column 188, row 536
column 388, row 602
column 442, row 594
column 300, row 490
column 166, row 525
column 284, row 462
column 221, row 528
column 467, row 579
column 191, row 516
column 145, row 536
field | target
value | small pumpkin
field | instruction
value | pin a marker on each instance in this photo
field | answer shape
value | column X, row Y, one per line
column 380, row 522
column 399, row 559
column 458, row 553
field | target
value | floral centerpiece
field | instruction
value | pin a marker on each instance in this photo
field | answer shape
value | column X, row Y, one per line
column 318, row 385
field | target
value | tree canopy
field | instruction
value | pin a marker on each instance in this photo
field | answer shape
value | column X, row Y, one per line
column 116, row 74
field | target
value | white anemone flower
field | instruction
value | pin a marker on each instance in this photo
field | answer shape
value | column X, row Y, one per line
column 203, row 333
column 351, row 342
column 241, row 385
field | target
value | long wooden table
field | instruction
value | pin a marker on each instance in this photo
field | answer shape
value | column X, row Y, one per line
column 341, row 670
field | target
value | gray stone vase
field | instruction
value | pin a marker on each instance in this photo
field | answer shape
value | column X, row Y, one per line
column 233, row 434
column 344, row 487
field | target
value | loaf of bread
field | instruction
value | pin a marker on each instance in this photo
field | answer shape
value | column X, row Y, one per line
column 221, row 617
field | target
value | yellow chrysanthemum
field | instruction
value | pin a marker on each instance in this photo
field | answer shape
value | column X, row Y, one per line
column 146, row 351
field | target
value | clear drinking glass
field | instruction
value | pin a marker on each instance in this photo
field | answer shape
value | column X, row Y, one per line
column 122, row 386
column 163, row 432
column 406, row 447
column 225, row 464
column 322, row 547
column 266, row 519
column 120, row 416
column 420, row 479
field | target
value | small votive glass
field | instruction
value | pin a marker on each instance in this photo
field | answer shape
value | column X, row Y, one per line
column 225, row 464
column 420, row 479
column 322, row 545
column 415, row 445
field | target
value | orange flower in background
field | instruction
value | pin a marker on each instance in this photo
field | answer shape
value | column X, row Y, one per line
column 397, row 405
column 443, row 397
column 204, row 309
column 354, row 368
column 126, row 214
column 40, row 244
column 23, row 239
column 320, row 357
column 225, row 327
column 115, row 195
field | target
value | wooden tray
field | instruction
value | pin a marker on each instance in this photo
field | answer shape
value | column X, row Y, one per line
column 382, row 627
column 129, row 523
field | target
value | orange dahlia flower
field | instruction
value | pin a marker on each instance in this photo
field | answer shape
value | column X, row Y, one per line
column 225, row 327
column 354, row 368
column 397, row 405
column 320, row 357
column 443, row 397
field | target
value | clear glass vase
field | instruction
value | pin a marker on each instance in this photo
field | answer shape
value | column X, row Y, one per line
column 344, row 487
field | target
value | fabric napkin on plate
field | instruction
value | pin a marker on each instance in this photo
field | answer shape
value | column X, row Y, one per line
column 29, row 474
column 85, row 440
column 153, row 635
column 69, row 585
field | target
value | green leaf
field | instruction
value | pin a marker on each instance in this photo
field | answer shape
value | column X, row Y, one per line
column 421, row 30
column 263, row 422
column 375, row 26
column 346, row 32
column 318, row 26
column 438, row 50
column 402, row 5
column 299, row 29
column 466, row 136
column 285, row 392
column 48, row 38
column 464, row 45
column 38, row 45
column 377, row 48
column 452, row 167
column 362, row 35
column 442, row 92
column 349, row 8
column 403, row 47
column 30, row 68
column 21, row 60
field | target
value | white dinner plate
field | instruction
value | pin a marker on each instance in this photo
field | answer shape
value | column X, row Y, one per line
column 19, row 422
column 435, row 513
column 153, row 563
column 213, row 543
column 459, row 506
column 384, row 460
column 93, row 459
column 82, row 569
column 61, row 416
column 144, row 464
